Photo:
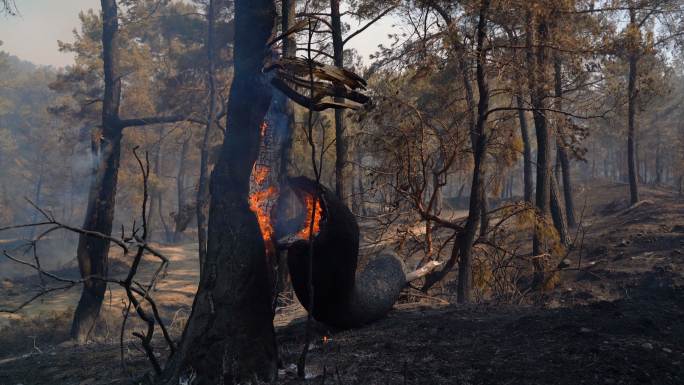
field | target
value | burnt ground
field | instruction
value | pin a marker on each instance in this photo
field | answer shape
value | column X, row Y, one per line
column 617, row 317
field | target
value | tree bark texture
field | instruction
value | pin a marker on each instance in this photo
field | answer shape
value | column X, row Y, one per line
column 92, row 252
column 229, row 337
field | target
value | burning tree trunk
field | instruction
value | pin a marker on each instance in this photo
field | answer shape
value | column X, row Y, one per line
column 229, row 337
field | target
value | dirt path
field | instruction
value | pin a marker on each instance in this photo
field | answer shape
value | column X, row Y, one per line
column 175, row 291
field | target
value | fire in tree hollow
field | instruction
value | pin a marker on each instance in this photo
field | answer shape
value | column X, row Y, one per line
column 304, row 233
column 264, row 195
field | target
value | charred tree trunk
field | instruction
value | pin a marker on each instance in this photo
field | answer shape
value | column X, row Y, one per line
column 92, row 252
column 536, row 60
column 229, row 337
column 631, row 117
column 341, row 146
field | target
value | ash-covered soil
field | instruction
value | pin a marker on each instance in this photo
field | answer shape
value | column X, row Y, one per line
column 617, row 317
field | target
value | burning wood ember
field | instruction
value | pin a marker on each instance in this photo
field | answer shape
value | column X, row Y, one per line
column 260, row 203
column 305, row 233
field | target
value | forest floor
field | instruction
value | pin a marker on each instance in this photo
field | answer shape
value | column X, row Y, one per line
column 617, row 317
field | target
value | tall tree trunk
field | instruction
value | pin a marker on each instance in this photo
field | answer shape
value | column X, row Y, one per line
column 631, row 117
column 181, row 213
column 229, row 337
column 158, row 205
column 155, row 194
column 562, row 153
column 537, row 83
column 467, row 237
column 463, row 244
column 528, row 184
column 557, row 212
column 659, row 164
column 92, row 252
column 202, row 206
column 341, row 145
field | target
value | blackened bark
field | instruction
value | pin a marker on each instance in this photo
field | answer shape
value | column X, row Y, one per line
column 341, row 146
column 631, row 117
column 229, row 337
column 92, row 252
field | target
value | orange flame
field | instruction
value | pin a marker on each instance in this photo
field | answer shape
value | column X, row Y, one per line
column 260, row 204
column 305, row 232
column 260, row 173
